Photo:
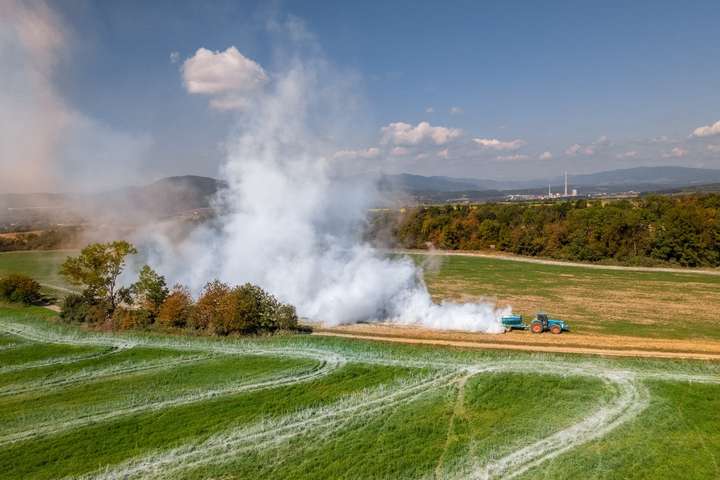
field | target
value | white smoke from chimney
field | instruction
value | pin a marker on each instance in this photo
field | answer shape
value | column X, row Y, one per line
column 287, row 226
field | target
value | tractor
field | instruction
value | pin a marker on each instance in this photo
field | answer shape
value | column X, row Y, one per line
column 541, row 323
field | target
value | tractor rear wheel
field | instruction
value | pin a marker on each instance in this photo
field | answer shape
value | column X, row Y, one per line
column 536, row 327
column 556, row 329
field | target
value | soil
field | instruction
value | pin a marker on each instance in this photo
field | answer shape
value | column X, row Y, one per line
column 567, row 342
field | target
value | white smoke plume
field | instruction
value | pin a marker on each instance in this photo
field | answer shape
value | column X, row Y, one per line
column 287, row 225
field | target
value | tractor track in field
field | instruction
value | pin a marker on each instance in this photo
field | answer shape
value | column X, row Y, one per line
column 629, row 398
column 88, row 375
column 418, row 336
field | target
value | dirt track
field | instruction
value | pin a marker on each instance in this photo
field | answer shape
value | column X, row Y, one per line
column 542, row 261
column 602, row 345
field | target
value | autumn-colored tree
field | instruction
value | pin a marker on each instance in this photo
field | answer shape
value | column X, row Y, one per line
column 207, row 310
column 176, row 310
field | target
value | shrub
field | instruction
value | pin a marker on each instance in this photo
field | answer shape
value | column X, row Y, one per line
column 177, row 308
column 20, row 288
column 127, row 319
column 249, row 309
column 83, row 308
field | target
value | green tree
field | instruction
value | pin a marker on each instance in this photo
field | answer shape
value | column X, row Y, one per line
column 97, row 268
column 19, row 288
column 150, row 289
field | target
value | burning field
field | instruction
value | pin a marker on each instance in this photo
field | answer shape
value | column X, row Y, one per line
column 91, row 405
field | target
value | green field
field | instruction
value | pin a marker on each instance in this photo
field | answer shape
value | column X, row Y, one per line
column 614, row 302
column 43, row 266
column 78, row 403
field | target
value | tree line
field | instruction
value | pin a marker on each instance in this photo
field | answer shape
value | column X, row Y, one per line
column 220, row 309
column 680, row 230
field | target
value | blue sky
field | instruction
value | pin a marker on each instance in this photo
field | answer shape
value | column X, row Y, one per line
column 582, row 86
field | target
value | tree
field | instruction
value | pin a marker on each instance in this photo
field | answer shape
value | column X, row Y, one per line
column 151, row 290
column 176, row 310
column 208, row 307
column 97, row 268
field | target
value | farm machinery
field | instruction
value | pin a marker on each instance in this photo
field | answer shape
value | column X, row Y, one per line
column 541, row 323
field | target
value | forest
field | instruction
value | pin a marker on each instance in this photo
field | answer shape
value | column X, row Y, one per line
column 649, row 230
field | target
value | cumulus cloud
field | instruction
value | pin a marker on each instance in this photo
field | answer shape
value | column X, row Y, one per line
column 229, row 77
column 429, row 110
column 45, row 143
column 576, row 149
column 174, row 57
column 443, row 154
column 545, row 156
column 368, row 153
column 399, row 152
column 707, row 130
column 677, row 152
column 456, row 110
column 495, row 144
column 400, row 133
column 628, row 154
column 511, row 158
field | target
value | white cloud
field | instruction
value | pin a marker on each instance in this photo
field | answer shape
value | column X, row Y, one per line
column 456, row 111
column 573, row 149
column 174, row 57
column 713, row 148
column 229, row 76
column 628, row 154
column 707, row 130
column 400, row 133
column 368, row 153
column 399, row 152
column 511, row 158
column 495, row 144
column 429, row 110
column 676, row 152
column 443, row 153
column 545, row 156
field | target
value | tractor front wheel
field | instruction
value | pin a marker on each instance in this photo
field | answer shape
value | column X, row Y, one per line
column 556, row 329
column 536, row 327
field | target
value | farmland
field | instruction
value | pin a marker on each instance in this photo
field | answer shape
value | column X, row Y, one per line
column 78, row 403
column 98, row 405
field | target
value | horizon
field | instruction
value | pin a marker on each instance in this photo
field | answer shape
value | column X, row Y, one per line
column 99, row 96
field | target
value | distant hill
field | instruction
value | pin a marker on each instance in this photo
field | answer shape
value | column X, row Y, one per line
column 641, row 178
column 173, row 196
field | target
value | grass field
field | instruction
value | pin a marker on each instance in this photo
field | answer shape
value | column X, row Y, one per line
column 43, row 266
column 86, row 404
column 614, row 302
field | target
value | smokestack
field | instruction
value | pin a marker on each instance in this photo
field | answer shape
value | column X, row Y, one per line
column 566, row 183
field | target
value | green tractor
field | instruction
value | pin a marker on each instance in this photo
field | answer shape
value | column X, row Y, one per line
column 541, row 323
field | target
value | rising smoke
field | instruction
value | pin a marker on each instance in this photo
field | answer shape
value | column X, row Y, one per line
column 287, row 224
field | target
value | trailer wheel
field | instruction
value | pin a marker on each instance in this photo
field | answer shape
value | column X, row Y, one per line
column 556, row 329
column 536, row 327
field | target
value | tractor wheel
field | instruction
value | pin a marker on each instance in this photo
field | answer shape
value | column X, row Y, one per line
column 556, row 329
column 536, row 327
